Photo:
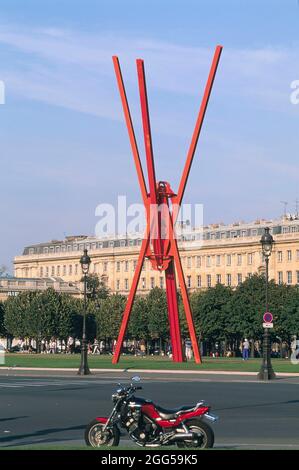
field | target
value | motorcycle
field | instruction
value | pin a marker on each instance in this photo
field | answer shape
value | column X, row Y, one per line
column 150, row 425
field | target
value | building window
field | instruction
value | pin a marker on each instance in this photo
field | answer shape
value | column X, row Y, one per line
column 228, row 279
column 249, row 258
column 126, row 266
column 70, row 270
column 152, row 282
column 297, row 275
column 208, row 261
column 297, row 255
column 53, row 271
column 209, row 280
column 58, row 271
column 228, row 260
column 143, row 283
column 105, row 266
column 76, row 269
column 118, row 266
column 126, row 284
column 239, row 259
column 289, row 255
column 198, row 281
column 64, row 270
column 117, row 284
column 189, row 262
column 161, row 282
column 47, row 271
column 41, row 272
column 280, row 277
column 134, row 264
column 279, row 256
column 198, row 261
column 46, row 250
column 189, row 282
column 218, row 260
column 249, row 275
column 239, row 279
column 289, row 277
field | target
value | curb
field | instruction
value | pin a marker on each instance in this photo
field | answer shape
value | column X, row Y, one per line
column 148, row 371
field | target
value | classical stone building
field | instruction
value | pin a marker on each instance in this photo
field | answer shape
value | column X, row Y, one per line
column 11, row 286
column 217, row 253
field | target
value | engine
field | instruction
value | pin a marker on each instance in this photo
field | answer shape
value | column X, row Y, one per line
column 140, row 427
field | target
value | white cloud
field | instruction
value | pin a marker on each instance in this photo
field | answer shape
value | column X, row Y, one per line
column 74, row 70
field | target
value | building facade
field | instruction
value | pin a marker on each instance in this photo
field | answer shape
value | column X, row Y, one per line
column 218, row 253
column 12, row 286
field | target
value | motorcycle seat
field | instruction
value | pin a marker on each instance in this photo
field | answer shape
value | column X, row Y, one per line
column 173, row 414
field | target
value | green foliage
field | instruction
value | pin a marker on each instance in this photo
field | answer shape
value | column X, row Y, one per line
column 138, row 324
column 108, row 316
column 220, row 313
column 157, row 314
column 96, row 288
column 3, row 331
column 210, row 312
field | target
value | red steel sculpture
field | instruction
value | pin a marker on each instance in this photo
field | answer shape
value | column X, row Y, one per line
column 159, row 244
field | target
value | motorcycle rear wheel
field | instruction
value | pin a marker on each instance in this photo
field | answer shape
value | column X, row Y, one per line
column 95, row 437
column 200, row 427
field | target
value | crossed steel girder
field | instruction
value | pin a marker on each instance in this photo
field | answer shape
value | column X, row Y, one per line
column 160, row 248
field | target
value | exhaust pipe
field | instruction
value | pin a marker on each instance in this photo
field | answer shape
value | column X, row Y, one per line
column 181, row 436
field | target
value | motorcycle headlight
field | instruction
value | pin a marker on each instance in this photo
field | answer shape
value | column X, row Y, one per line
column 114, row 397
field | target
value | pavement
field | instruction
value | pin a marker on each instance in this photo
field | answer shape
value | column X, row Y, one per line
column 53, row 409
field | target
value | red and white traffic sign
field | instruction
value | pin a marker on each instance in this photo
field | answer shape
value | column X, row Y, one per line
column 267, row 320
column 268, row 317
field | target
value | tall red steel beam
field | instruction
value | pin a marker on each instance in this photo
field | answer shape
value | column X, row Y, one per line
column 155, row 228
column 170, row 279
column 155, row 231
column 197, row 129
column 128, row 119
column 129, row 304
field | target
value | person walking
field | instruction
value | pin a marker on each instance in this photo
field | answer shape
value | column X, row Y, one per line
column 245, row 350
column 188, row 349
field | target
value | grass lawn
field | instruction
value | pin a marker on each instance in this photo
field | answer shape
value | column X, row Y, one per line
column 131, row 362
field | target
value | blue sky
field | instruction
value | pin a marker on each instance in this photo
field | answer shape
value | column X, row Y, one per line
column 64, row 146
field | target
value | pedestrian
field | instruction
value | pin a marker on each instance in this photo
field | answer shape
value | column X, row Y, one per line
column 188, row 349
column 245, row 350
column 142, row 348
column 96, row 349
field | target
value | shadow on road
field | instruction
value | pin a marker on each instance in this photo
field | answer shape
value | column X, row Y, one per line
column 13, row 418
column 43, row 432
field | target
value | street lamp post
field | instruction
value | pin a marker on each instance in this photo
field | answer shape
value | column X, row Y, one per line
column 266, row 371
column 85, row 263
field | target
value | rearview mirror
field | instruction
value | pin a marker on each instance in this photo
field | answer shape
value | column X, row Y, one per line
column 136, row 378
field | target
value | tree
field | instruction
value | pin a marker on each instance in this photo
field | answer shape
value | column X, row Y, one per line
column 96, row 288
column 138, row 324
column 157, row 314
column 17, row 315
column 210, row 313
column 109, row 315
column 3, row 331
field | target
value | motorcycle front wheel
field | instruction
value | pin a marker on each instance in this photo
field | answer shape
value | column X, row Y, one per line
column 205, row 438
column 95, row 436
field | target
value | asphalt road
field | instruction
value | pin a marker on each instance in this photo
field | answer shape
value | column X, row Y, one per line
column 55, row 410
